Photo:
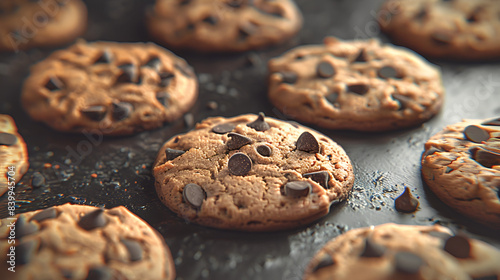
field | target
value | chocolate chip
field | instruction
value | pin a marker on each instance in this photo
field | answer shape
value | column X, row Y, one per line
column 154, row 63
column 25, row 252
column 121, row 110
column 360, row 89
column 485, row 157
column 95, row 113
column 99, row 273
column 163, row 98
column 422, row 14
column 237, row 141
column 7, row 139
column 332, row 97
column 289, row 77
column 361, row 56
column 49, row 213
column 129, row 74
column 211, row 20
column 165, row 79
column 476, row 134
column 246, row 30
column 458, row 246
column 493, row 122
column 193, row 195
column 441, row 37
column 264, row 150
column 325, row 70
column 402, row 100
column 92, row 220
column 239, row 164
column 372, row 249
column 307, row 143
column 297, row 188
column 320, row 177
column 223, row 128
column 134, row 249
column 172, row 153
column 489, row 277
column 259, row 124
column 24, row 228
column 406, row 202
column 54, row 84
column 105, row 57
column 37, row 180
column 387, row 72
column 407, row 263
column 325, row 261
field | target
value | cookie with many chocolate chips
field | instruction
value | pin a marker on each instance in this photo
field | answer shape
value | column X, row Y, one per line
column 109, row 88
column 446, row 29
column 355, row 85
column 391, row 251
column 27, row 24
column 461, row 165
column 83, row 242
column 251, row 173
column 13, row 155
column 223, row 25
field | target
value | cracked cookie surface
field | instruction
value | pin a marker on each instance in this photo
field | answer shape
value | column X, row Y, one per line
column 251, row 173
column 355, row 85
column 109, row 88
column 13, row 154
column 461, row 165
column 223, row 25
column 84, row 242
column 391, row 251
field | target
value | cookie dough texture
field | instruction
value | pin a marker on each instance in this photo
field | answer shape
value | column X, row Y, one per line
column 26, row 24
column 223, row 25
column 246, row 186
column 52, row 244
column 355, row 85
column 403, row 252
column 109, row 88
column 13, row 153
column 457, row 30
column 465, row 174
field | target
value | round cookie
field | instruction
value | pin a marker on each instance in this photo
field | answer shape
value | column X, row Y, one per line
column 13, row 155
column 392, row 251
column 251, row 173
column 458, row 29
column 223, row 25
column 355, row 85
column 27, row 24
column 109, row 88
column 83, row 242
column 461, row 165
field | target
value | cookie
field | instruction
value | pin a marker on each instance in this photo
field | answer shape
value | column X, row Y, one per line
column 223, row 25
column 461, row 165
column 391, row 251
column 109, row 88
column 82, row 242
column 355, row 85
column 26, row 24
column 13, row 155
column 456, row 30
column 251, row 173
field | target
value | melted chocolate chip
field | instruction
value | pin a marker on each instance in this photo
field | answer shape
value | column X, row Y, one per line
column 129, row 74
column 193, row 195
column 458, row 246
column 154, row 63
column 163, row 98
column 212, row 20
column 402, row 100
column 105, row 57
column 372, row 249
column 92, row 220
column 360, row 89
column 24, row 228
column 172, row 153
column 362, row 57
column 441, row 37
column 237, row 141
column 476, row 134
column 7, row 139
column 289, row 77
column 46, row 214
column 25, row 252
column 485, row 157
column 95, row 113
column 239, row 164
column 297, row 188
column 307, row 143
column 325, row 70
column 99, row 273
column 259, row 124
column 325, row 261
column 37, row 180
column 406, row 202
column 223, row 128
column 493, row 122
column 332, row 97
column 264, row 150
column 165, row 79
column 121, row 110
column 407, row 263
column 134, row 249
column 320, row 177
column 387, row 72
column 54, row 84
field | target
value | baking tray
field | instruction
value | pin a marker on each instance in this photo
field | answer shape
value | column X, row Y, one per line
column 117, row 170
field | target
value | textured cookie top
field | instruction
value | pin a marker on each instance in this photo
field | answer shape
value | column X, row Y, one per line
column 84, row 242
column 391, row 251
column 26, row 23
column 358, row 85
column 223, row 25
column 116, row 88
column 461, row 164
column 458, row 29
column 252, row 173
column 13, row 154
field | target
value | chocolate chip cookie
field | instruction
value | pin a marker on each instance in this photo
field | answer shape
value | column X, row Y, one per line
column 391, row 251
column 461, row 165
column 223, row 25
column 355, row 85
column 83, row 242
column 109, row 88
column 251, row 173
column 27, row 24
column 457, row 29
column 13, row 155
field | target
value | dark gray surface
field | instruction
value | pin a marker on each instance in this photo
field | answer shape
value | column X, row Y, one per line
column 383, row 163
